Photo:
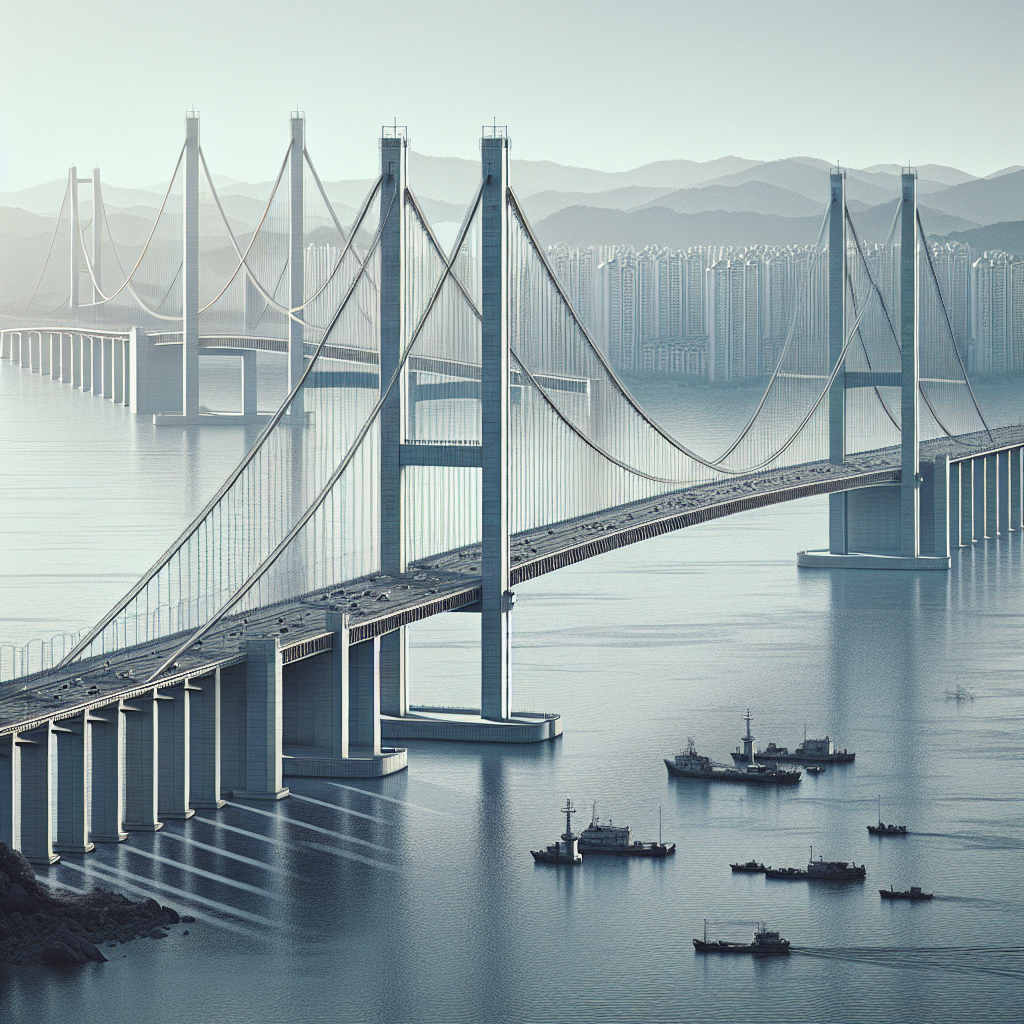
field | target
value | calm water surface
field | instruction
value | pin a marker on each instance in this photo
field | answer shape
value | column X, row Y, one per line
column 414, row 898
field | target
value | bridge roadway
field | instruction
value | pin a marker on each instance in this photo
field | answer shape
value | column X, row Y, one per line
column 379, row 604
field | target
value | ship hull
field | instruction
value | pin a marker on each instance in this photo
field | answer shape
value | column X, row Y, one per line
column 839, row 758
column 727, row 775
column 641, row 850
column 740, row 947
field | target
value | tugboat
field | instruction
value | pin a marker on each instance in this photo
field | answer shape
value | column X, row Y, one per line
column 691, row 765
column 566, row 851
column 605, row 837
column 750, row 867
column 821, row 870
column 810, row 751
column 882, row 829
column 764, row 943
column 814, row 769
column 913, row 893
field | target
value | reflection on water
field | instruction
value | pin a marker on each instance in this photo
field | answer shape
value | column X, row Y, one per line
column 415, row 897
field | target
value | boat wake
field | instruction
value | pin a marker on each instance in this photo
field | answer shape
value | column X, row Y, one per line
column 1002, row 961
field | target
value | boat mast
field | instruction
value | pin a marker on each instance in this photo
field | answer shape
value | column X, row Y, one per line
column 748, row 740
column 569, row 810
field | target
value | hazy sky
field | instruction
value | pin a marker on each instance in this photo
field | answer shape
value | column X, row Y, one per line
column 597, row 84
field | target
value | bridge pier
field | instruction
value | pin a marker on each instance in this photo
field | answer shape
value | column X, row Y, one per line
column 74, row 755
column 141, row 760
column 332, row 712
column 106, row 780
column 204, row 741
column 174, row 749
column 37, row 749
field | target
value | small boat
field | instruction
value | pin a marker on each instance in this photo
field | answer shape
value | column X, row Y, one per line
column 821, row 870
column 605, row 837
column 814, row 769
column 913, row 893
column 881, row 829
column 764, row 943
column 566, row 851
column 691, row 765
column 751, row 867
column 810, row 751
column 961, row 693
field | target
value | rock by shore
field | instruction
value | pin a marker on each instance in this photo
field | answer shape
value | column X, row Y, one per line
column 40, row 925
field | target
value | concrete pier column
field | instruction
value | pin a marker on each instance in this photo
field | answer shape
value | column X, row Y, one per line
column 1003, row 492
column 85, row 345
column 1016, row 497
column 25, row 350
column 174, row 749
column 117, row 357
column 935, row 507
column 38, row 776
column 364, row 695
column 496, row 594
column 107, row 782
column 980, row 498
column 992, row 496
column 331, row 692
column 190, row 270
column 141, row 751
column 97, row 365
column 10, row 791
column 966, row 502
column 204, row 738
column 394, row 690
column 249, row 385
column 263, row 721
column 44, row 353
column 55, row 353
column 107, row 361
column 953, row 504
column 74, row 776
column 67, row 373
column 126, row 377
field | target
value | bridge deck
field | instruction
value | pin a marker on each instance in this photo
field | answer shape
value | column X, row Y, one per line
column 379, row 604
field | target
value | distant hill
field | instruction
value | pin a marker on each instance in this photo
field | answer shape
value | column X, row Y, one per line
column 1007, row 236
column 748, row 197
column 986, row 200
column 655, row 225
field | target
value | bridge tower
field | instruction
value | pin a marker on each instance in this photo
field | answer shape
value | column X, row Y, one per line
column 296, row 249
column 393, row 415
column 97, row 214
column 881, row 527
column 495, row 563
column 75, row 239
column 190, row 271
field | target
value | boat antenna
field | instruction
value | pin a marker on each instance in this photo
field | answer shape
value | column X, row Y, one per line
column 659, row 824
column 593, row 813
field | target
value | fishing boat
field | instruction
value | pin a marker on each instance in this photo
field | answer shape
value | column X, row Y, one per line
column 616, row 840
column 811, row 751
column 691, row 765
column 913, row 893
column 821, row 870
column 881, row 829
column 750, row 867
column 566, row 850
column 764, row 943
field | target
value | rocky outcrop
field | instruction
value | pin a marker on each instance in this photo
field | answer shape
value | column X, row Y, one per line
column 40, row 925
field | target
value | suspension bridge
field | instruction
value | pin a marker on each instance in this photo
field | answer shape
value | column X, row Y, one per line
column 450, row 431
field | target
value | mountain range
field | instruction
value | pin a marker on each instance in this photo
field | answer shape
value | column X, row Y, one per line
column 677, row 203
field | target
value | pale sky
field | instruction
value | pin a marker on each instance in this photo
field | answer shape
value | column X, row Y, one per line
column 596, row 84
